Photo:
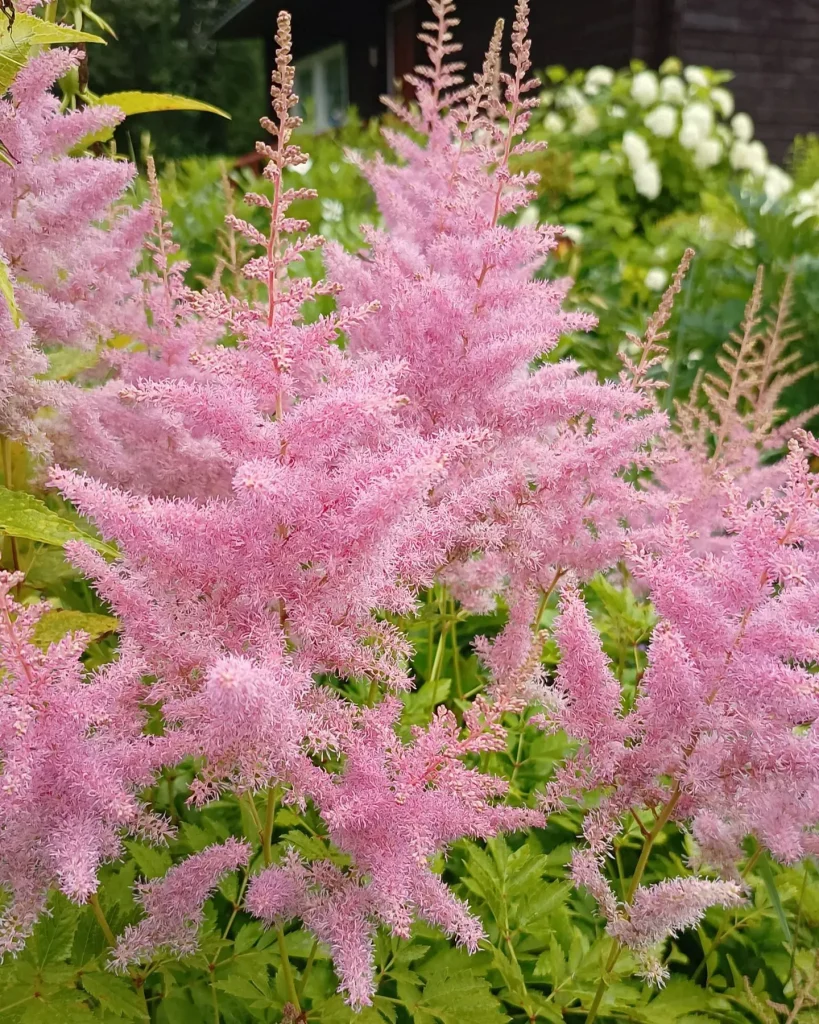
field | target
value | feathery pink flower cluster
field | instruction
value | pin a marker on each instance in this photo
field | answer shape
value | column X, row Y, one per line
column 328, row 523
column 74, row 759
column 723, row 732
column 47, row 194
column 544, row 491
column 277, row 501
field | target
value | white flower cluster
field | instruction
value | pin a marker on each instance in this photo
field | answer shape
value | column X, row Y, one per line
column 645, row 171
column 679, row 102
column 806, row 204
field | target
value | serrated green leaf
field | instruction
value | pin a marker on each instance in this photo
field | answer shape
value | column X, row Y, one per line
column 23, row 515
column 53, row 936
column 54, row 625
column 454, row 982
column 134, row 102
column 152, row 861
column 7, row 292
column 336, row 1011
column 116, row 994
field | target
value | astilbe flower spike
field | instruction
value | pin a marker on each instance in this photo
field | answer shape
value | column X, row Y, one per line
column 71, row 201
column 107, row 429
column 730, row 425
column 73, row 761
column 459, row 307
column 236, row 603
column 173, row 904
column 722, row 737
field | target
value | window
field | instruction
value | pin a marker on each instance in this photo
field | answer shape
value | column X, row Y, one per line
column 321, row 84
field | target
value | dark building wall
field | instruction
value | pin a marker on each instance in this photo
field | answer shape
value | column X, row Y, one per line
column 772, row 46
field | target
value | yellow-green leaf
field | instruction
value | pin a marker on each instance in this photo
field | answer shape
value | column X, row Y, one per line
column 23, row 515
column 28, row 31
column 53, row 626
column 65, row 363
column 150, row 102
column 7, row 291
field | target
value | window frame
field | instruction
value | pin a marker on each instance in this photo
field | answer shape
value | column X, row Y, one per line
column 317, row 63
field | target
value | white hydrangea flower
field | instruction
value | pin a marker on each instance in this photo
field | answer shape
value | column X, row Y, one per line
column 749, row 156
column 656, row 279
column 776, row 184
column 691, row 135
column 617, row 111
column 554, row 123
column 332, row 210
column 644, row 88
column 744, row 239
column 648, row 180
column 573, row 232
column 725, row 134
column 570, row 98
column 696, row 76
column 662, row 121
column 672, row 90
column 723, row 101
column 586, row 121
column 700, row 114
column 636, row 148
column 743, row 127
column 806, row 204
column 597, row 78
column 707, row 153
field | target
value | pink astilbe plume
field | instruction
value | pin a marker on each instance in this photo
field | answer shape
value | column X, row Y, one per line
column 108, row 430
column 47, row 194
column 392, row 809
column 21, row 393
column 73, row 761
column 722, row 737
column 462, row 311
column 236, row 603
column 731, row 423
column 173, row 904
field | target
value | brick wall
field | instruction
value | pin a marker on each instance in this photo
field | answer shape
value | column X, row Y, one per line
column 773, row 48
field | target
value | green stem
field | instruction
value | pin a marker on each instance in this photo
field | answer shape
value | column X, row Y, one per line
column 456, row 654
column 214, row 996
column 102, row 921
column 9, row 482
column 308, row 968
column 287, row 971
column 439, row 654
column 267, row 834
column 645, row 853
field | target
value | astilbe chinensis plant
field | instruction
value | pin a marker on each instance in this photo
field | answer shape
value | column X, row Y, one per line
column 721, row 736
column 459, row 305
column 46, row 193
column 106, row 428
column 281, row 499
column 235, row 604
column 731, row 425
column 74, row 760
